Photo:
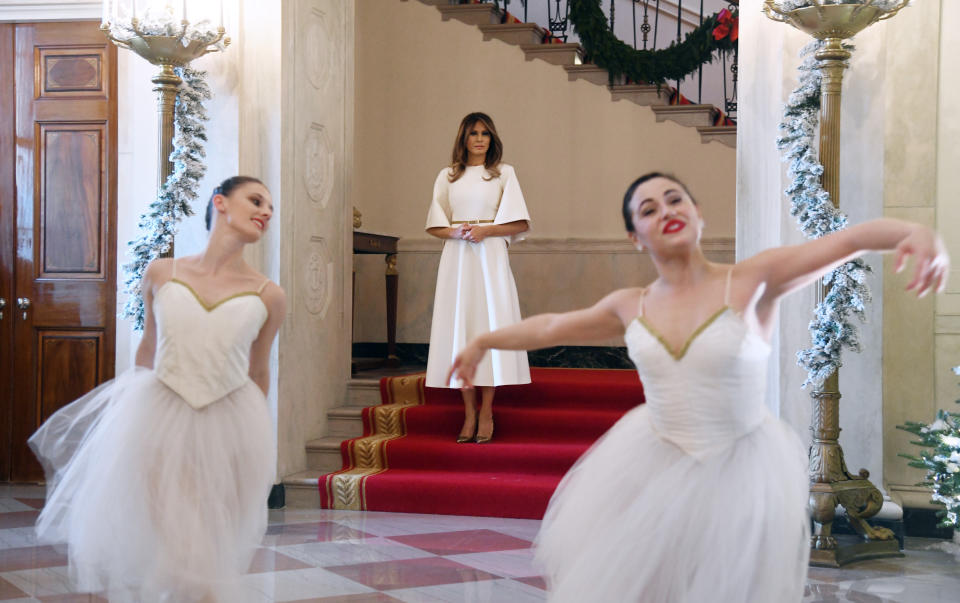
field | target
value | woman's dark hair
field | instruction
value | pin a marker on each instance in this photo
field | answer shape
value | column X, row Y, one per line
column 628, row 196
column 225, row 188
column 494, row 152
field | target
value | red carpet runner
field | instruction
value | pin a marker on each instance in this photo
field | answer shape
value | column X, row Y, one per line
column 407, row 460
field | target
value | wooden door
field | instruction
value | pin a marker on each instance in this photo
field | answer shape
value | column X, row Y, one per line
column 65, row 264
column 7, row 194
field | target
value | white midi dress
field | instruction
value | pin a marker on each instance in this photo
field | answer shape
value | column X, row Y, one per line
column 157, row 481
column 699, row 495
column 475, row 292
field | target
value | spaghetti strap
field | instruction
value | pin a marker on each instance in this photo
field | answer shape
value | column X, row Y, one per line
column 643, row 294
column 263, row 286
column 726, row 293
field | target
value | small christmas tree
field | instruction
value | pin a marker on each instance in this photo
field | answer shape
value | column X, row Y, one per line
column 941, row 459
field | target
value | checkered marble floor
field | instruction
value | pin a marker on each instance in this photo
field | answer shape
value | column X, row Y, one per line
column 346, row 556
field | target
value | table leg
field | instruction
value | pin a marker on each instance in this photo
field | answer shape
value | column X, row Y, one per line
column 393, row 282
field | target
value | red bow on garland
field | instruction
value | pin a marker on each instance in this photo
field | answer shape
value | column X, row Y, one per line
column 726, row 25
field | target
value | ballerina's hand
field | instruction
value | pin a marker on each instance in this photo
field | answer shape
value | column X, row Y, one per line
column 932, row 264
column 465, row 364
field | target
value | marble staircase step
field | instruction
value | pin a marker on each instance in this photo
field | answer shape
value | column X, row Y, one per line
column 686, row 115
column 472, row 14
column 513, row 33
column 301, row 490
column 323, row 454
column 363, row 392
column 723, row 134
column 642, row 94
column 555, row 54
column 345, row 422
column 588, row 71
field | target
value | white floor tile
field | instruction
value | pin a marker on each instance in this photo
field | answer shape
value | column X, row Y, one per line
column 303, row 584
column 349, row 552
column 486, row 591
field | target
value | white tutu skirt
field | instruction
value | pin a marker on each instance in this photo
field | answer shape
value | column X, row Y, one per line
column 638, row 519
column 154, row 500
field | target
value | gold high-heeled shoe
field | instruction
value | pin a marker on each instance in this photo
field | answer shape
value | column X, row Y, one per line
column 484, row 439
column 462, row 439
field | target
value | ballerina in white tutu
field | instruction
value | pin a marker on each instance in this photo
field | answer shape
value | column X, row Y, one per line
column 158, row 480
column 700, row 494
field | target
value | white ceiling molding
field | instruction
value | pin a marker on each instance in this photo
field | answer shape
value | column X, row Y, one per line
column 46, row 10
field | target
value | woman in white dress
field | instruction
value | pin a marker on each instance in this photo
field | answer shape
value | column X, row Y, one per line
column 478, row 209
column 700, row 494
column 158, row 480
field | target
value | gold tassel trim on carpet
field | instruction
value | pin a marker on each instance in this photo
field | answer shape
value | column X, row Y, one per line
column 366, row 455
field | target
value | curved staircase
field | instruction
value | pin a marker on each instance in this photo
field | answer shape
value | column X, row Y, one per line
column 664, row 101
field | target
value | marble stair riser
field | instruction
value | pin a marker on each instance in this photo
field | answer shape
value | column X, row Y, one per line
column 471, row 14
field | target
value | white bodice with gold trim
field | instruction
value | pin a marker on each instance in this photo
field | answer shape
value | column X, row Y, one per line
column 711, row 392
column 203, row 351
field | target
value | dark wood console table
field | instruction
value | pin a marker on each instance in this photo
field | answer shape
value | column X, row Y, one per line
column 368, row 242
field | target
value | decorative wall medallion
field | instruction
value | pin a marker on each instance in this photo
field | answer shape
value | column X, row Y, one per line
column 319, row 51
column 318, row 172
column 318, row 278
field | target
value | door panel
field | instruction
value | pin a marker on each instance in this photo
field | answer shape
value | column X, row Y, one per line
column 65, row 223
column 69, row 367
column 7, row 245
column 71, row 202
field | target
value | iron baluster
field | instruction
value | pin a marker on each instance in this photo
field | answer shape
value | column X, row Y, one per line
column 558, row 25
column 700, row 76
column 731, row 103
column 679, row 22
column 645, row 28
column 656, row 24
column 723, row 57
column 633, row 11
column 611, row 18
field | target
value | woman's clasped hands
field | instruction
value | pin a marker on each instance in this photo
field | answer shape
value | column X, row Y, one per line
column 471, row 232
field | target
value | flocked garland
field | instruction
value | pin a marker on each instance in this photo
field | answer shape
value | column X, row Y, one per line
column 159, row 223
column 831, row 330
column 603, row 48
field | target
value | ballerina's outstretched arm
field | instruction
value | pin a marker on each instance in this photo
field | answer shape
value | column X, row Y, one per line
column 600, row 321
column 782, row 270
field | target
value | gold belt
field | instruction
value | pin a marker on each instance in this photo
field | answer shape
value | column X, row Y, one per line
column 472, row 222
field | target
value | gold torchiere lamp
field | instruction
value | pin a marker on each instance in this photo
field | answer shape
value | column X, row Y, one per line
column 167, row 34
column 830, row 482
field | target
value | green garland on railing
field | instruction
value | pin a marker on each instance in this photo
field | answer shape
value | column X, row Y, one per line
column 603, row 48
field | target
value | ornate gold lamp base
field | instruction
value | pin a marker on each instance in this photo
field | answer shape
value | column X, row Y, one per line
column 831, row 485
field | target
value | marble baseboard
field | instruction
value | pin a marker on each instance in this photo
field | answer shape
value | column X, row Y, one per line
column 277, row 498
column 923, row 522
column 587, row 357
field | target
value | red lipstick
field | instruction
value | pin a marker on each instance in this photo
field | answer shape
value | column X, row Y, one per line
column 673, row 226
